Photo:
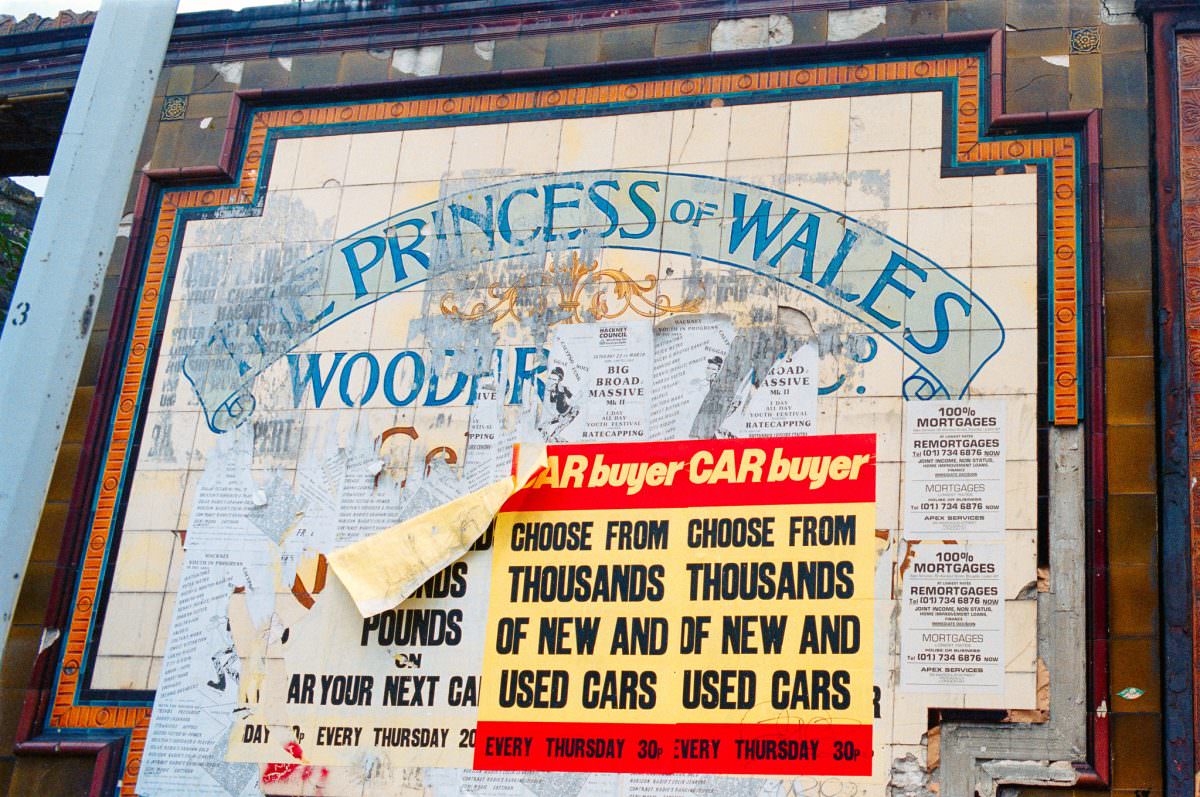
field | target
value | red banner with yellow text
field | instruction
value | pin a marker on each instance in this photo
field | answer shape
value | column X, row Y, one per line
column 685, row 607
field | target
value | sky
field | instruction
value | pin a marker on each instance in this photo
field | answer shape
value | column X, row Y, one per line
column 50, row 8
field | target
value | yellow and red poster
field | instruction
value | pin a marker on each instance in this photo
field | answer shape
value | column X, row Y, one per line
column 685, row 607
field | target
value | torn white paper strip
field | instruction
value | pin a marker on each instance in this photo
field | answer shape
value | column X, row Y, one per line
column 382, row 570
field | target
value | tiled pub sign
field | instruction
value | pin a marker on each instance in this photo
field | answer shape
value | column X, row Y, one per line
column 776, row 338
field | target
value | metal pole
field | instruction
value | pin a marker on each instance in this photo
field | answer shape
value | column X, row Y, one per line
column 50, row 318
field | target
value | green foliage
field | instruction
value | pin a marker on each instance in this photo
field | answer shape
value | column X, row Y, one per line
column 13, row 241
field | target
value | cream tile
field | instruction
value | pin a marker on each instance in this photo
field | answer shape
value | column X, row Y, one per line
column 373, row 158
column 827, row 415
column 820, row 179
column 352, row 370
column 587, row 143
column 710, row 169
column 912, row 713
column 143, row 561
column 881, row 737
column 942, row 234
column 642, row 140
column 1004, row 189
column 883, row 300
column 882, row 368
column 759, row 131
column 1020, row 692
column 251, row 235
column 1020, row 636
column 155, row 673
column 877, row 181
column 1020, row 561
column 154, row 499
column 532, row 147
column 425, row 154
column 164, row 625
column 189, row 498
column 361, row 207
column 928, row 189
column 887, row 496
column 1020, row 495
column 1021, row 422
column 322, row 162
column 283, row 164
column 396, row 325
column 168, row 438
column 130, row 623
column 406, row 196
column 878, row 415
column 314, row 213
column 478, row 150
column 926, row 120
column 819, row 127
column 1011, row 291
column 175, row 571
column 765, row 173
column 701, row 135
column 1020, row 689
column 920, row 325
column 880, row 122
column 1004, row 235
column 1013, row 369
column 121, row 672
column 892, row 223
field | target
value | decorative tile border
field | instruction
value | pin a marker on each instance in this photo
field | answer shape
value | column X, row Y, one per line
column 167, row 209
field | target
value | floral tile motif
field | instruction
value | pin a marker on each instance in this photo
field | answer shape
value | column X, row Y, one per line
column 173, row 108
column 1085, row 40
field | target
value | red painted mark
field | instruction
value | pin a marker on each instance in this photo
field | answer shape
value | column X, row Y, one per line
column 273, row 773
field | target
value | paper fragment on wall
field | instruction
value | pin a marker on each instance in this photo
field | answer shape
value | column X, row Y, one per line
column 598, row 382
column 198, row 694
column 382, row 570
column 784, row 402
column 689, row 352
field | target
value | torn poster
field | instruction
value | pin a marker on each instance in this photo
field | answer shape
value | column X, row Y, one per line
column 783, row 402
column 689, row 352
column 382, row 570
column 201, row 690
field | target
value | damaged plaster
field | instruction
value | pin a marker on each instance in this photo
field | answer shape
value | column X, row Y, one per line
column 853, row 23
column 752, row 32
column 418, row 61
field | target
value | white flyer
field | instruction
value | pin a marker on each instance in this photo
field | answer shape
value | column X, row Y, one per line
column 689, row 352
column 783, row 403
column 952, row 619
column 598, row 382
column 954, row 455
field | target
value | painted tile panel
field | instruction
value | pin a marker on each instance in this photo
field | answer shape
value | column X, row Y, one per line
column 394, row 384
